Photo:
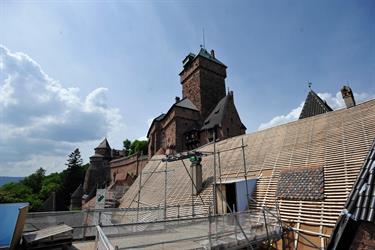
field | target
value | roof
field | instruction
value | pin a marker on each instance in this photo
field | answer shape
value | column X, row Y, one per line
column 97, row 155
column 314, row 105
column 362, row 199
column 184, row 103
column 338, row 141
column 103, row 144
column 204, row 53
column 217, row 114
column 160, row 117
column 361, row 202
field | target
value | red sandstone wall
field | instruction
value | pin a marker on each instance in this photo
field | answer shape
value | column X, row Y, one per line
column 127, row 165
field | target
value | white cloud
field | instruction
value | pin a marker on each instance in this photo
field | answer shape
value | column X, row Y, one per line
column 334, row 101
column 41, row 120
column 281, row 119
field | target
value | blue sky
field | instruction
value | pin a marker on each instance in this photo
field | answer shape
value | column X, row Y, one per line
column 105, row 68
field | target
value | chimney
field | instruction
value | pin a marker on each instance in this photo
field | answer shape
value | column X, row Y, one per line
column 213, row 53
column 196, row 174
column 347, row 95
column 177, row 99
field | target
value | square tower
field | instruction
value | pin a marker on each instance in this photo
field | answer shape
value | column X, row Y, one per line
column 203, row 80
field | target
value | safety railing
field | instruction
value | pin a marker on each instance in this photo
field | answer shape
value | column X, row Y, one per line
column 245, row 229
column 101, row 241
column 84, row 222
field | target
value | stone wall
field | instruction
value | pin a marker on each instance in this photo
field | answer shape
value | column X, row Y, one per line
column 131, row 165
column 203, row 82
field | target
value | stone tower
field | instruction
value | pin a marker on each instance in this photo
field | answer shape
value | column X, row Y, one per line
column 98, row 174
column 203, row 80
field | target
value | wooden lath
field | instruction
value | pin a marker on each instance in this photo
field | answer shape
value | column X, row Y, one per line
column 338, row 141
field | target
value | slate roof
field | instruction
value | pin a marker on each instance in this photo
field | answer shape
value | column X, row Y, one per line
column 160, row 117
column 338, row 141
column 362, row 200
column 360, row 205
column 186, row 103
column 216, row 116
column 104, row 144
column 314, row 105
column 204, row 53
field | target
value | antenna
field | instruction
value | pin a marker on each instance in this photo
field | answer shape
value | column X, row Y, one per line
column 204, row 41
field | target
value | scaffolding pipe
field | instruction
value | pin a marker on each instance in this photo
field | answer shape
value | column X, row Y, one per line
column 236, row 219
column 139, row 193
column 220, row 180
column 144, row 184
column 165, row 190
column 245, row 171
column 192, row 181
column 214, row 186
column 265, row 225
column 209, row 228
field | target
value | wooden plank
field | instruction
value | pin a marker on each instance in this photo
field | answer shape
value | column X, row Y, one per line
column 46, row 232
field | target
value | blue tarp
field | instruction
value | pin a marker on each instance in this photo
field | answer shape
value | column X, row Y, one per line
column 242, row 200
column 9, row 213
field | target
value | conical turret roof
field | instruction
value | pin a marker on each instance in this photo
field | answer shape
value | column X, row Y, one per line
column 104, row 144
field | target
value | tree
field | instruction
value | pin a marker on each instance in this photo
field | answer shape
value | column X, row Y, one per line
column 127, row 144
column 139, row 146
column 51, row 183
column 72, row 177
column 74, row 160
column 34, row 181
column 135, row 147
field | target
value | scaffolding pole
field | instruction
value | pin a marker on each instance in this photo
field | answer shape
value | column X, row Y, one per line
column 245, row 170
column 165, row 190
column 139, row 193
column 214, row 186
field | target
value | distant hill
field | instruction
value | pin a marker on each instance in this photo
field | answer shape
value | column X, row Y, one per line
column 7, row 179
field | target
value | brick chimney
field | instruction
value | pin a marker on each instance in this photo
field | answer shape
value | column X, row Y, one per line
column 213, row 53
column 347, row 95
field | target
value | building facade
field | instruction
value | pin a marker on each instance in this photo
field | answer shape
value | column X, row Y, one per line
column 206, row 111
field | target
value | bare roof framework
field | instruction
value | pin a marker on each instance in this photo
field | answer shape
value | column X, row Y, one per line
column 338, row 141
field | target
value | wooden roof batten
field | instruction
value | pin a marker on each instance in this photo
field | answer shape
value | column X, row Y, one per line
column 337, row 140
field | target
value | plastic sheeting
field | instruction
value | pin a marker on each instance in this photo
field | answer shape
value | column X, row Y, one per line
column 9, row 222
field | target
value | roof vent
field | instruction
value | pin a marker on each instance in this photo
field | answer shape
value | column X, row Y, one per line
column 177, row 99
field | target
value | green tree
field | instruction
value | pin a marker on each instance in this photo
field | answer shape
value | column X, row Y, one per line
column 139, row 146
column 51, row 183
column 127, row 144
column 34, row 181
column 72, row 177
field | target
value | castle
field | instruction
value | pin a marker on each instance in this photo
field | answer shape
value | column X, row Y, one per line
column 205, row 112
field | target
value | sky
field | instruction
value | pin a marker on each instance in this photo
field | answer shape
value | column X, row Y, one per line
column 74, row 72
